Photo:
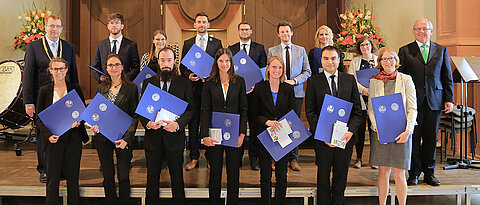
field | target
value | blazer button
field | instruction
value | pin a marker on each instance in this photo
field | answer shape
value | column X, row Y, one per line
column 224, row 107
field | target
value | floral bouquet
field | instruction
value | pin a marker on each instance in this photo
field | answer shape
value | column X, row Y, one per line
column 356, row 23
column 33, row 27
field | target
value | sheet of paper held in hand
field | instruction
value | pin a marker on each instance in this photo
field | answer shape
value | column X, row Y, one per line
column 339, row 130
column 216, row 134
column 282, row 135
column 164, row 114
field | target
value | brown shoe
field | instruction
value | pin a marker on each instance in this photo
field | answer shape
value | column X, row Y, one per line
column 273, row 166
column 294, row 166
column 357, row 164
column 373, row 166
column 191, row 165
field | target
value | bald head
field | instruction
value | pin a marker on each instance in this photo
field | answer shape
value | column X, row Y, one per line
column 422, row 30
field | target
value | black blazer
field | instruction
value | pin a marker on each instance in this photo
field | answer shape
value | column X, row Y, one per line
column 317, row 87
column 257, row 53
column 316, row 63
column 128, row 52
column 213, row 101
column 174, row 141
column 44, row 100
column 35, row 73
column 265, row 109
column 127, row 100
column 433, row 79
column 213, row 44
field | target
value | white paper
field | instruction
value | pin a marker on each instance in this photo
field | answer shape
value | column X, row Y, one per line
column 164, row 114
column 282, row 135
column 339, row 130
column 464, row 69
column 216, row 134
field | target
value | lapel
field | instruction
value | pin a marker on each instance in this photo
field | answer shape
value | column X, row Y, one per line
column 120, row 95
column 269, row 95
column 229, row 91
column 252, row 50
column 123, row 44
column 398, row 83
column 415, row 51
column 324, row 83
column 106, row 47
column 433, row 49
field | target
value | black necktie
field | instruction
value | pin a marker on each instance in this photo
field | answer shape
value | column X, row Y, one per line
column 114, row 49
column 244, row 48
column 287, row 62
column 164, row 87
column 334, row 85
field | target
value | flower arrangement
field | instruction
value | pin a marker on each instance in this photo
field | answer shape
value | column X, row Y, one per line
column 356, row 23
column 33, row 27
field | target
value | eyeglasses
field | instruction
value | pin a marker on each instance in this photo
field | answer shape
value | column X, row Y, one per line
column 116, row 65
column 388, row 59
column 422, row 29
column 61, row 69
column 113, row 22
column 365, row 44
column 52, row 26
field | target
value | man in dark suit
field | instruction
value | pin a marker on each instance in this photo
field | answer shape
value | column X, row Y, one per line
column 210, row 45
column 35, row 75
column 429, row 65
column 328, row 157
column 167, row 142
column 118, row 44
column 256, row 51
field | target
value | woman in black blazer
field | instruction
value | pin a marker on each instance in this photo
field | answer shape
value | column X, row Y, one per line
column 124, row 95
column 274, row 99
column 63, row 152
column 223, row 92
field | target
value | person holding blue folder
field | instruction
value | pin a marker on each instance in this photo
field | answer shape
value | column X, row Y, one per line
column 274, row 98
column 63, row 152
column 392, row 157
column 124, row 94
column 328, row 157
column 223, row 92
column 365, row 47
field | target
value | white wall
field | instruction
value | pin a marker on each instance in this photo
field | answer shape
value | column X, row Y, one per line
column 396, row 17
column 9, row 12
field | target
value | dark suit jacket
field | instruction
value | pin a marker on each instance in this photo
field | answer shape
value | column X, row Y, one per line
column 128, row 52
column 44, row 100
column 433, row 80
column 265, row 109
column 213, row 44
column 127, row 100
column 257, row 53
column 35, row 73
column 213, row 101
column 174, row 141
column 317, row 87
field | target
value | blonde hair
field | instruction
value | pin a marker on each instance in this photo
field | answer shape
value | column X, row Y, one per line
column 382, row 51
column 330, row 33
column 270, row 60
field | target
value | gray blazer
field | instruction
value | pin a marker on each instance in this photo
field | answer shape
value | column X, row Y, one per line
column 300, row 68
column 403, row 84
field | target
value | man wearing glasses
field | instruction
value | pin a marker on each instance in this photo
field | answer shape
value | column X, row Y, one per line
column 429, row 65
column 35, row 75
column 118, row 44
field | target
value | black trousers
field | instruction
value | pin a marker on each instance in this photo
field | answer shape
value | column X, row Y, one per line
column 105, row 151
column 424, row 141
column 154, row 167
column 215, row 157
column 253, row 148
column 266, row 178
column 193, row 126
column 293, row 155
column 330, row 160
column 40, row 148
column 361, row 134
column 64, row 155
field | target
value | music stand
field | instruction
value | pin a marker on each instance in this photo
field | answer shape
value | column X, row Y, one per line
column 464, row 73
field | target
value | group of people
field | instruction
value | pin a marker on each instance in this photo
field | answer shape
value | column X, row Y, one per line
column 420, row 72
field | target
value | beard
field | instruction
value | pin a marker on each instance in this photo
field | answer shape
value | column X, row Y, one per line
column 167, row 75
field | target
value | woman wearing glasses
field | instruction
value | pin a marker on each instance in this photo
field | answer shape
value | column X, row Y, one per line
column 150, row 58
column 392, row 157
column 365, row 47
column 63, row 152
column 124, row 95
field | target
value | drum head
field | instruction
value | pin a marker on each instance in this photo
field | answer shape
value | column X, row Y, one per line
column 10, row 81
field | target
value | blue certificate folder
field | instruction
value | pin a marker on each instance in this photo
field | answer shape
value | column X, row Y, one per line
column 300, row 133
column 144, row 74
column 112, row 122
column 390, row 116
column 247, row 68
column 333, row 109
column 198, row 61
column 93, row 68
column 363, row 76
column 263, row 70
column 154, row 99
column 60, row 116
column 230, row 125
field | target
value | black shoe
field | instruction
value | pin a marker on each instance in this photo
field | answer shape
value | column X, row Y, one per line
column 412, row 181
column 431, row 180
column 254, row 164
column 43, row 178
column 164, row 166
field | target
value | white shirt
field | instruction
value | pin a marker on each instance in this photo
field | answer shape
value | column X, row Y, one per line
column 225, row 91
column 247, row 47
column 327, row 74
column 163, row 82
column 54, row 49
column 119, row 41
column 420, row 46
column 284, row 54
column 57, row 97
column 198, row 41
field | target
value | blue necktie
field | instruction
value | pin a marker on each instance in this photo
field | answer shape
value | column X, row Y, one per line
column 114, row 49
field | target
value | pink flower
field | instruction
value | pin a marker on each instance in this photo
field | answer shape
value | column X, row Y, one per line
column 344, row 33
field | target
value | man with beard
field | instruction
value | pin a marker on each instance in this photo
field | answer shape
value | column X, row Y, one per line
column 167, row 142
column 118, row 44
column 210, row 45
column 256, row 51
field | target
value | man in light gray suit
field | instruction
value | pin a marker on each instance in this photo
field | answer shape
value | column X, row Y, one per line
column 297, row 71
